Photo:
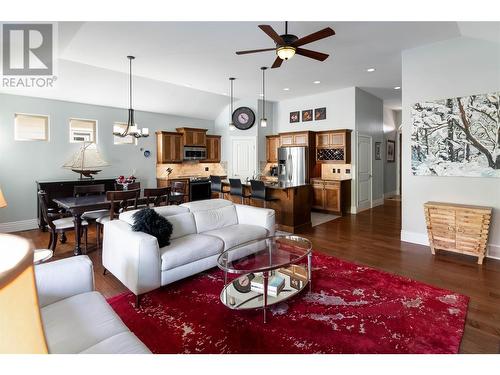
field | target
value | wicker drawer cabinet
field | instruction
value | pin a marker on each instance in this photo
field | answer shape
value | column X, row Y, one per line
column 458, row 228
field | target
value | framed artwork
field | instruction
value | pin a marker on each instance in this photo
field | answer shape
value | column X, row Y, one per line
column 307, row 115
column 456, row 136
column 391, row 151
column 320, row 114
column 378, row 153
column 294, row 116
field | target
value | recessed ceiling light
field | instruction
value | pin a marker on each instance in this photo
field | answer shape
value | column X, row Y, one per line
column 369, row 70
column 397, row 87
column 286, row 89
column 187, row 85
column 316, row 82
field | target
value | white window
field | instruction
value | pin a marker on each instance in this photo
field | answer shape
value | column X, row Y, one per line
column 31, row 127
column 128, row 140
column 82, row 130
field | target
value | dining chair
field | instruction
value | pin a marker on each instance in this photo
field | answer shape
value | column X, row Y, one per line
column 178, row 187
column 260, row 192
column 61, row 225
column 236, row 189
column 120, row 201
column 91, row 216
column 157, row 196
column 217, row 186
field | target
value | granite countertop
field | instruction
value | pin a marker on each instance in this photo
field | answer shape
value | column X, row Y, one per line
column 273, row 185
column 332, row 179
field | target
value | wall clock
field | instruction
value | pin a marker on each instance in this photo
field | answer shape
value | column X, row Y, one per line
column 243, row 118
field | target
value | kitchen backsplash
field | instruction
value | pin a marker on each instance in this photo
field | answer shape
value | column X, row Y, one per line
column 341, row 171
column 190, row 169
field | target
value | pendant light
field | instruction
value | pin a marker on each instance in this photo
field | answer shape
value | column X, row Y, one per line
column 132, row 128
column 263, row 120
column 231, row 123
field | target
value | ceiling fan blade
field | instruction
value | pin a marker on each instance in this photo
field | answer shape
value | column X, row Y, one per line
column 325, row 33
column 312, row 54
column 273, row 34
column 254, row 51
column 277, row 63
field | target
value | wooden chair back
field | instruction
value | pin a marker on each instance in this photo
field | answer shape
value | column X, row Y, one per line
column 132, row 186
column 178, row 186
column 157, row 196
column 84, row 190
column 120, row 201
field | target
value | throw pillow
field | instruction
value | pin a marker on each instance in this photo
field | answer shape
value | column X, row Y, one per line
column 149, row 221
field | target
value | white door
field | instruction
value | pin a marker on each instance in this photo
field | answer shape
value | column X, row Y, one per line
column 243, row 156
column 364, row 175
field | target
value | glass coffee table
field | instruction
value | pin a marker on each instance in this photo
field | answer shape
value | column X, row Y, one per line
column 268, row 271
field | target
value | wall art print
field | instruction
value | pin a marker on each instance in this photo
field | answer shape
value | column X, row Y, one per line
column 307, row 115
column 456, row 137
column 294, row 116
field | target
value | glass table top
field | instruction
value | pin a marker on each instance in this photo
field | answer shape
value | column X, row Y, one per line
column 264, row 255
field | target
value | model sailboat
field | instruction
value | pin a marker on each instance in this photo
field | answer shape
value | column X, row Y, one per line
column 86, row 161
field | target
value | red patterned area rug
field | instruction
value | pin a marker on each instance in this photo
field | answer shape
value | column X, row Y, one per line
column 351, row 309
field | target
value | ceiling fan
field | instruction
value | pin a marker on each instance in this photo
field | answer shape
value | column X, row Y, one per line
column 287, row 45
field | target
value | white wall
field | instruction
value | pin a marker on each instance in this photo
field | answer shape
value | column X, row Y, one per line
column 448, row 69
column 392, row 121
column 22, row 163
column 369, row 121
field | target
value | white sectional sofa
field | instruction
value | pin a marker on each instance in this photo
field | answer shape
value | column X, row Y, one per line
column 76, row 318
column 201, row 231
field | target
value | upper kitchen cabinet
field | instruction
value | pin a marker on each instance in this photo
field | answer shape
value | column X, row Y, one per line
column 193, row 136
column 213, row 149
column 168, row 147
column 305, row 138
column 333, row 146
column 272, row 145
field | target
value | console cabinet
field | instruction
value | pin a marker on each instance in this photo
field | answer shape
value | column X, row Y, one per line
column 458, row 228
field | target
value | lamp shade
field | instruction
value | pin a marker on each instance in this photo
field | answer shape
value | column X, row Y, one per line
column 20, row 323
column 3, row 202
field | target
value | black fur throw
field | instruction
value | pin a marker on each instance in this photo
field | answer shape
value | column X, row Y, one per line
column 149, row 221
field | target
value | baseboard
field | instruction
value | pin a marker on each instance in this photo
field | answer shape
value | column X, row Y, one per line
column 390, row 194
column 16, row 226
column 423, row 239
column 377, row 202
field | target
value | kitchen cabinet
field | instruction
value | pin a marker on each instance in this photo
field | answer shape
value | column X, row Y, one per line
column 333, row 146
column 193, row 136
column 168, row 147
column 297, row 139
column 272, row 145
column 213, row 149
column 331, row 196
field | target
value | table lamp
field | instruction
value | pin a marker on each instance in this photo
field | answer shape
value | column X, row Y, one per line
column 3, row 202
column 20, row 322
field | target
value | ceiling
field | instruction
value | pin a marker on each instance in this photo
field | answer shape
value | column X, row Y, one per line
column 183, row 67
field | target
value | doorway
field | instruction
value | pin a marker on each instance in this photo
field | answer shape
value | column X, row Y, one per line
column 243, row 157
column 364, row 172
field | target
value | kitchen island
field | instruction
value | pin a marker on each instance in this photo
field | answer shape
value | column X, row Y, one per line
column 292, row 203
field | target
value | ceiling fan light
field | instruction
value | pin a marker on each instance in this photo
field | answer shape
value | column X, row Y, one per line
column 285, row 52
column 263, row 122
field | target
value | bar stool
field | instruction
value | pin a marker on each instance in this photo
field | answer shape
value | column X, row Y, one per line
column 236, row 188
column 260, row 192
column 217, row 187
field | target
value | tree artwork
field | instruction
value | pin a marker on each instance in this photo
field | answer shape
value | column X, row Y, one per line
column 456, row 137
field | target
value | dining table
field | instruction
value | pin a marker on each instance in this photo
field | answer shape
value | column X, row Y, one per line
column 77, row 206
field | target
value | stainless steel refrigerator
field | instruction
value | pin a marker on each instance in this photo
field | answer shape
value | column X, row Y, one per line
column 293, row 165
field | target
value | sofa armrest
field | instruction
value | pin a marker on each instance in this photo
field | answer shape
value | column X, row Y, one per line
column 263, row 217
column 64, row 278
column 132, row 257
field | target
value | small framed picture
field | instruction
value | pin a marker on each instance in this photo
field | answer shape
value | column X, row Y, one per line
column 320, row 114
column 378, row 150
column 295, row 283
column 391, row 151
column 295, row 116
column 307, row 115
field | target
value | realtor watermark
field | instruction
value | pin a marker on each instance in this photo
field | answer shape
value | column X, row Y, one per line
column 28, row 55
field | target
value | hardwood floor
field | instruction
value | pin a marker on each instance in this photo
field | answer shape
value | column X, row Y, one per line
column 372, row 238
